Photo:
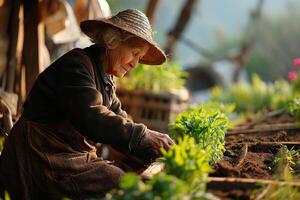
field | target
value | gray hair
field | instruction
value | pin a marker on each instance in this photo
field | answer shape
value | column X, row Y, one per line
column 110, row 38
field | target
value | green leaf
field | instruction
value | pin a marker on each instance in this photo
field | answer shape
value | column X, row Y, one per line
column 129, row 181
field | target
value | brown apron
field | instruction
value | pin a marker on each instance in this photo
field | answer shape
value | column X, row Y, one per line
column 51, row 161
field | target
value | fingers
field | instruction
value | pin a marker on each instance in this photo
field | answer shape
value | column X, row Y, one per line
column 159, row 140
column 167, row 142
column 170, row 141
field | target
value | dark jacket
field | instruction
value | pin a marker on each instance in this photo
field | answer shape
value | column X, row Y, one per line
column 76, row 89
column 46, row 154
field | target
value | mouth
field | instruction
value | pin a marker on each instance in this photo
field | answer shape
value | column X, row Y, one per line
column 125, row 69
column 128, row 67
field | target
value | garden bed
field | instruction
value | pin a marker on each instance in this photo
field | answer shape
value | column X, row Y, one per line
column 242, row 188
column 277, row 133
column 277, row 118
column 247, row 167
column 250, row 160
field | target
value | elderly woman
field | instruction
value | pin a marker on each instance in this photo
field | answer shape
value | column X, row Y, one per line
column 50, row 151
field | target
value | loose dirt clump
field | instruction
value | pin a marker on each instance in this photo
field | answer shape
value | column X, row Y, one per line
column 253, row 161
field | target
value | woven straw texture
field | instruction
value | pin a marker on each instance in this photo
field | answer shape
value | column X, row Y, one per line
column 134, row 22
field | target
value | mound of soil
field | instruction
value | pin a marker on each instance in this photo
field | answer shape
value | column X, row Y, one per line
column 247, row 161
column 250, row 150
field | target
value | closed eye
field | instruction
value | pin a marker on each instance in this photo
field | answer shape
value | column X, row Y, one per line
column 136, row 53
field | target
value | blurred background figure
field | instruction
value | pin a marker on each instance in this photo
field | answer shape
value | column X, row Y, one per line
column 62, row 23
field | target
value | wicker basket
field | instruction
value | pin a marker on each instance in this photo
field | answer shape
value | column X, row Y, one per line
column 155, row 110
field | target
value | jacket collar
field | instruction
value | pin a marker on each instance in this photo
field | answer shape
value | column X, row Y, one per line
column 96, row 53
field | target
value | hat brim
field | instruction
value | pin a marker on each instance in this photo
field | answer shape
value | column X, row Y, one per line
column 154, row 56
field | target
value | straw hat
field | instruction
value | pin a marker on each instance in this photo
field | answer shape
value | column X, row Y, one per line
column 134, row 22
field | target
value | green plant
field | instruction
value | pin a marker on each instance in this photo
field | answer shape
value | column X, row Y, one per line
column 161, row 187
column 6, row 196
column 189, row 162
column 281, row 92
column 255, row 96
column 284, row 163
column 207, row 124
column 154, row 78
column 277, row 192
column 294, row 108
column 185, row 176
column 1, row 143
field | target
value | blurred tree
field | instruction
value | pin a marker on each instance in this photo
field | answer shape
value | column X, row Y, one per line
column 118, row 5
column 151, row 10
column 179, row 26
column 275, row 45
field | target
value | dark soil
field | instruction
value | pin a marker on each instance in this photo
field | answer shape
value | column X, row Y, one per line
column 247, row 155
column 255, row 162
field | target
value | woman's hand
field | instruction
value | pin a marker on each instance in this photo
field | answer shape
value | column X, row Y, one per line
column 150, row 145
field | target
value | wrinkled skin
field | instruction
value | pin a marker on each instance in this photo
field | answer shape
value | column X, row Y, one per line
column 124, row 57
column 150, row 145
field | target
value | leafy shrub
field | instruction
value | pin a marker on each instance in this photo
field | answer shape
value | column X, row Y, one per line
column 285, row 162
column 294, row 108
column 281, row 93
column 189, row 162
column 162, row 186
column 185, row 177
column 161, row 78
column 207, row 124
column 255, row 96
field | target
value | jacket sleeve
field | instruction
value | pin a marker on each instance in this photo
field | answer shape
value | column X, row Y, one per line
column 116, row 107
column 82, row 104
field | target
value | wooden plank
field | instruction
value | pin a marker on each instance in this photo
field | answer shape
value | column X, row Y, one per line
column 247, row 183
column 270, row 127
column 152, row 170
column 30, row 50
column 5, row 11
column 13, row 31
column 295, row 145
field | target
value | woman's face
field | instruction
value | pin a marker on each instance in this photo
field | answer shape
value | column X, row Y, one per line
column 125, row 57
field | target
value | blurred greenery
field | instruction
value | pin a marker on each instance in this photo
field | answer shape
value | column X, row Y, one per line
column 1, row 143
column 6, row 196
column 161, row 187
column 162, row 78
column 275, row 45
column 255, row 96
column 294, row 108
